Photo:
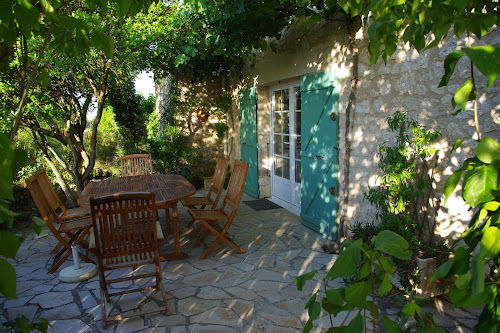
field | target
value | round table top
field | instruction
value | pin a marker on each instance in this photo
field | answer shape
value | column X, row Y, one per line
column 167, row 188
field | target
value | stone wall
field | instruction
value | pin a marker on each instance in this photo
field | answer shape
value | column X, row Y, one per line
column 201, row 134
column 408, row 82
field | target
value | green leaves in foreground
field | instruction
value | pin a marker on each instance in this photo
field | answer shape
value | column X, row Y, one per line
column 369, row 268
column 481, row 174
column 392, row 244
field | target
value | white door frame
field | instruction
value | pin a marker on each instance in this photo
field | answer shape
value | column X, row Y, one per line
column 287, row 195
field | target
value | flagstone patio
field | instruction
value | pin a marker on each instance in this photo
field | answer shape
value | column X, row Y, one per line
column 227, row 292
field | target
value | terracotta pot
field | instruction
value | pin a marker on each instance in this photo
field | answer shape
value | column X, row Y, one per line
column 202, row 115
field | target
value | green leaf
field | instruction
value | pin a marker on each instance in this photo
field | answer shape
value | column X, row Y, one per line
column 335, row 296
column 123, row 7
column 6, row 157
column 314, row 310
column 355, row 326
column 300, row 281
column 459, row 4
column 464, row 94
column 19, row 160
column 451, row 183
column 492, row 206
column 392, row 244
column 488, row 150
column 311, row 300
column 385, row 286
column 391, row 326
column 308, row 326
column 104, row 43
column 490, row 242
column 411, row 309
column 44, row 79
column 355, row 294
column 478, row 184
column 477, row 280
column 458, row 143
column 387, row 264
column 464, row 298
column 347, row 263
column 487, row 59
column 8, row 282
column 9, row 244
column 461, row 260
column 462, row 282
column 449, row 67
column 37, row 224
column 442, row 270
column 364, row 271
column 481, row 23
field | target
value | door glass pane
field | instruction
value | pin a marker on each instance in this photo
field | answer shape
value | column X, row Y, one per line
column 277, row 122
column 278, row 170
column 286, row 122
column 298, row 174
column 286, row 100
column 298, row 102
column 277, row 100
column 278, row 145
column 298, row 144
column 298, row 123
column 286, row 145
column 286, row 168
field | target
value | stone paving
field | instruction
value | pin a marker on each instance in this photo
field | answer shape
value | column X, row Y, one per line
column 227, row 292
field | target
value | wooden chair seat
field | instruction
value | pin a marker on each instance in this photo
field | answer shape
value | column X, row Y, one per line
column 197, row 201
column 209, row 214
column 74, row 213
column 211, row 218
column 140, row 259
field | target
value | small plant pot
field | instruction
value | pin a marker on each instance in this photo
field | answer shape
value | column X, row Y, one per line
column 202, row 115
column 425, row 288
column 207, row 182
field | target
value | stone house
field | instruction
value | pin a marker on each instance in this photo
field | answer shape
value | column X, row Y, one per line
column 289, row 121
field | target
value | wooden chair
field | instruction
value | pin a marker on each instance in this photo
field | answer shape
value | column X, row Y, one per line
column 216, row 187
column 210, row 218
column 136, row 164
column 69, row 226
column 126, row 235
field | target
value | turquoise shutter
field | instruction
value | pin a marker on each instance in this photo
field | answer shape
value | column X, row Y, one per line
column 248, row 139
column 319, row 153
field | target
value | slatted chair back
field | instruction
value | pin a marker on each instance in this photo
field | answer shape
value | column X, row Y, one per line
column 218, row 179
column 136, row 164
column 125, row 228
column 126, row 235
column 69, row 226
column 210, row 218
column 235, row 188
column 46, row 199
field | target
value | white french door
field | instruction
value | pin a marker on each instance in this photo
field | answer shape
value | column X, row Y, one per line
column 285, row 143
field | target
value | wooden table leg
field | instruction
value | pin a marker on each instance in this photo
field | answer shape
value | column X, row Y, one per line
column 177, row 242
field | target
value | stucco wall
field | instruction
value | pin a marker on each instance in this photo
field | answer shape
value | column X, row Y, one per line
column 408, row 82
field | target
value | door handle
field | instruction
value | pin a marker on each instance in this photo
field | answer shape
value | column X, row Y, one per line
column 318, row 156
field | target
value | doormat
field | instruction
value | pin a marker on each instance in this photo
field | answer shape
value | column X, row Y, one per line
column 261, row 204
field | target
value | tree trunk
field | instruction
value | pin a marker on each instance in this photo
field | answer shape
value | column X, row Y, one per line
column 163, row 105
column 60, row 180
column 353, row 48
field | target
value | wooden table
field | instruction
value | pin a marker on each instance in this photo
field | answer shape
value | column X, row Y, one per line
column 168, row 189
